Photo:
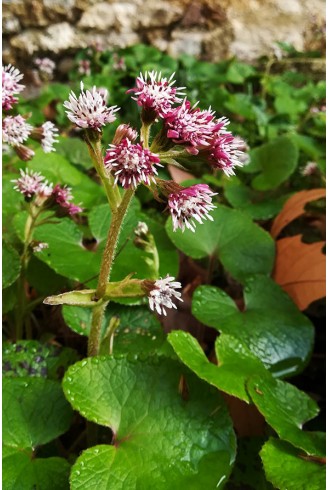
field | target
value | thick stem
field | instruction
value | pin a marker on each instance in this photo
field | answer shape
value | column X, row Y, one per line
column 106, row 265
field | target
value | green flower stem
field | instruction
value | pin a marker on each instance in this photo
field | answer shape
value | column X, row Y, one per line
column 25, row 257
column 172, row 154
column 144, row 134
column 106, row 265
column 112, row 191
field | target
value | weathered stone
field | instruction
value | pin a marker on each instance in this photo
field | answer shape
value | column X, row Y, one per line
column 55, row 38
column 103, row 16
column 186, row 42
column 10, row 24
column 158, row 14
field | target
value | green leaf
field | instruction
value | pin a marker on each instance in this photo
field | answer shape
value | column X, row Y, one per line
column 139, row 331
column 277, row 160
column 34, row 412
column 32, row 358
column 235, row 362
column 286, row 409
column 286, row 468
column 75, row 151
column 243, row 247
column 20, row 469
column 258, row 205
column 11, row 265
column 57, row 169
column 158, row 435
column 270, row 324
column 238, row 72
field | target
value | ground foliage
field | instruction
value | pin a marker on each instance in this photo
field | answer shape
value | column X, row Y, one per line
column 156, row 405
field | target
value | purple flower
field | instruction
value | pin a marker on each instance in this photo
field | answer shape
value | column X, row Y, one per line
column 11, row 77
column 192, row 203
column 226, row 152
column 89, row 110
column 191, row 126
column 161, row 293
column 156, row 92
column 63, row 197
column 29, row 183
column 131, row 163
column 15, row 130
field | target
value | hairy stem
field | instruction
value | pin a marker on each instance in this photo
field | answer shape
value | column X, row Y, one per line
column 106, row 265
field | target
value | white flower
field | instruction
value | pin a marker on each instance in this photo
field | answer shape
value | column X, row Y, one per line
column 40, row 246
column 10, row 86
column 49, row 135
column 45, row 65
column 15, row 130
column 89, row 110
column 162, row 294
column 141, row 229
column 29, row 183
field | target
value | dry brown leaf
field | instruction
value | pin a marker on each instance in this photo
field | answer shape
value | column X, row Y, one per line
column 179, row 175
column 300, row 269
column 294, row 208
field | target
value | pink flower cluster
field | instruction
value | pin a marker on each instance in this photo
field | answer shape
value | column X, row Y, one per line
column 131, row 163
column 15, row 129
column 33, row 185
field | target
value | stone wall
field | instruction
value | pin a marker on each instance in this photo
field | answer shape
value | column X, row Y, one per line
column 209, row 29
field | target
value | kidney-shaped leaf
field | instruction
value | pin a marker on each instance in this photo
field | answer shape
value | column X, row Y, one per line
column 236, row 363
column 159, row 435
column 34, row 411
column 286, row 409
column 242, row 246
column 270, row 325
column 20, row 469
column 285, row 467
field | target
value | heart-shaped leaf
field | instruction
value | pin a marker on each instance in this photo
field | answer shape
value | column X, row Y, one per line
column 286, row 409
column 20, row 469
column 34, row 412
column 243, row 247
column 282, row 340
column 286, row 467
column 158, row 434
column 236, row 363
column 11, row 265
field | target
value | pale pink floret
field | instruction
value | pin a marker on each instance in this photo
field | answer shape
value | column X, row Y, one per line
column 226, row 154
column 191, row 126
column 155, row 92
column 63, row 197
column 190, row 204
column 45, row 66
column 29, row 183
column 131, row 163
column 49, row 136
column 15, row 130
column 163, row 293
column 11, row 77
column 89, row 110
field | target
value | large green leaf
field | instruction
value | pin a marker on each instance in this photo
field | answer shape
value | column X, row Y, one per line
column 75, row 151
column 286, row 409
column 235, row 362
column 276, row 160
column 160, row 437
column 139, row 332
column 286, row 468
column 243, row 247
column 270, row 324
column 20, row 469
column 57, row 169
column 34, row 412
column 11, row 265
column 257, row 205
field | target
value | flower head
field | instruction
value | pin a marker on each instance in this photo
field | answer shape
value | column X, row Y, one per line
column 15, row 130
column 84, row 67
column 63, row 197
column 155, row 92
column 24, row 153
column 161, row 294
column 192, row 203
column 89, row 109
column 49, row 135
column 124, row 131
column 39, row 246
column 191, row 126
column 29, row 183
column 141, row 229
column 131, row 163
column 46, row 66
column 11, row 77
column 309, row 169
column 226, row 152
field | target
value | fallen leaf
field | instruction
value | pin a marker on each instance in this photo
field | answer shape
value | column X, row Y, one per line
column 294, row 207
column 300, row 269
